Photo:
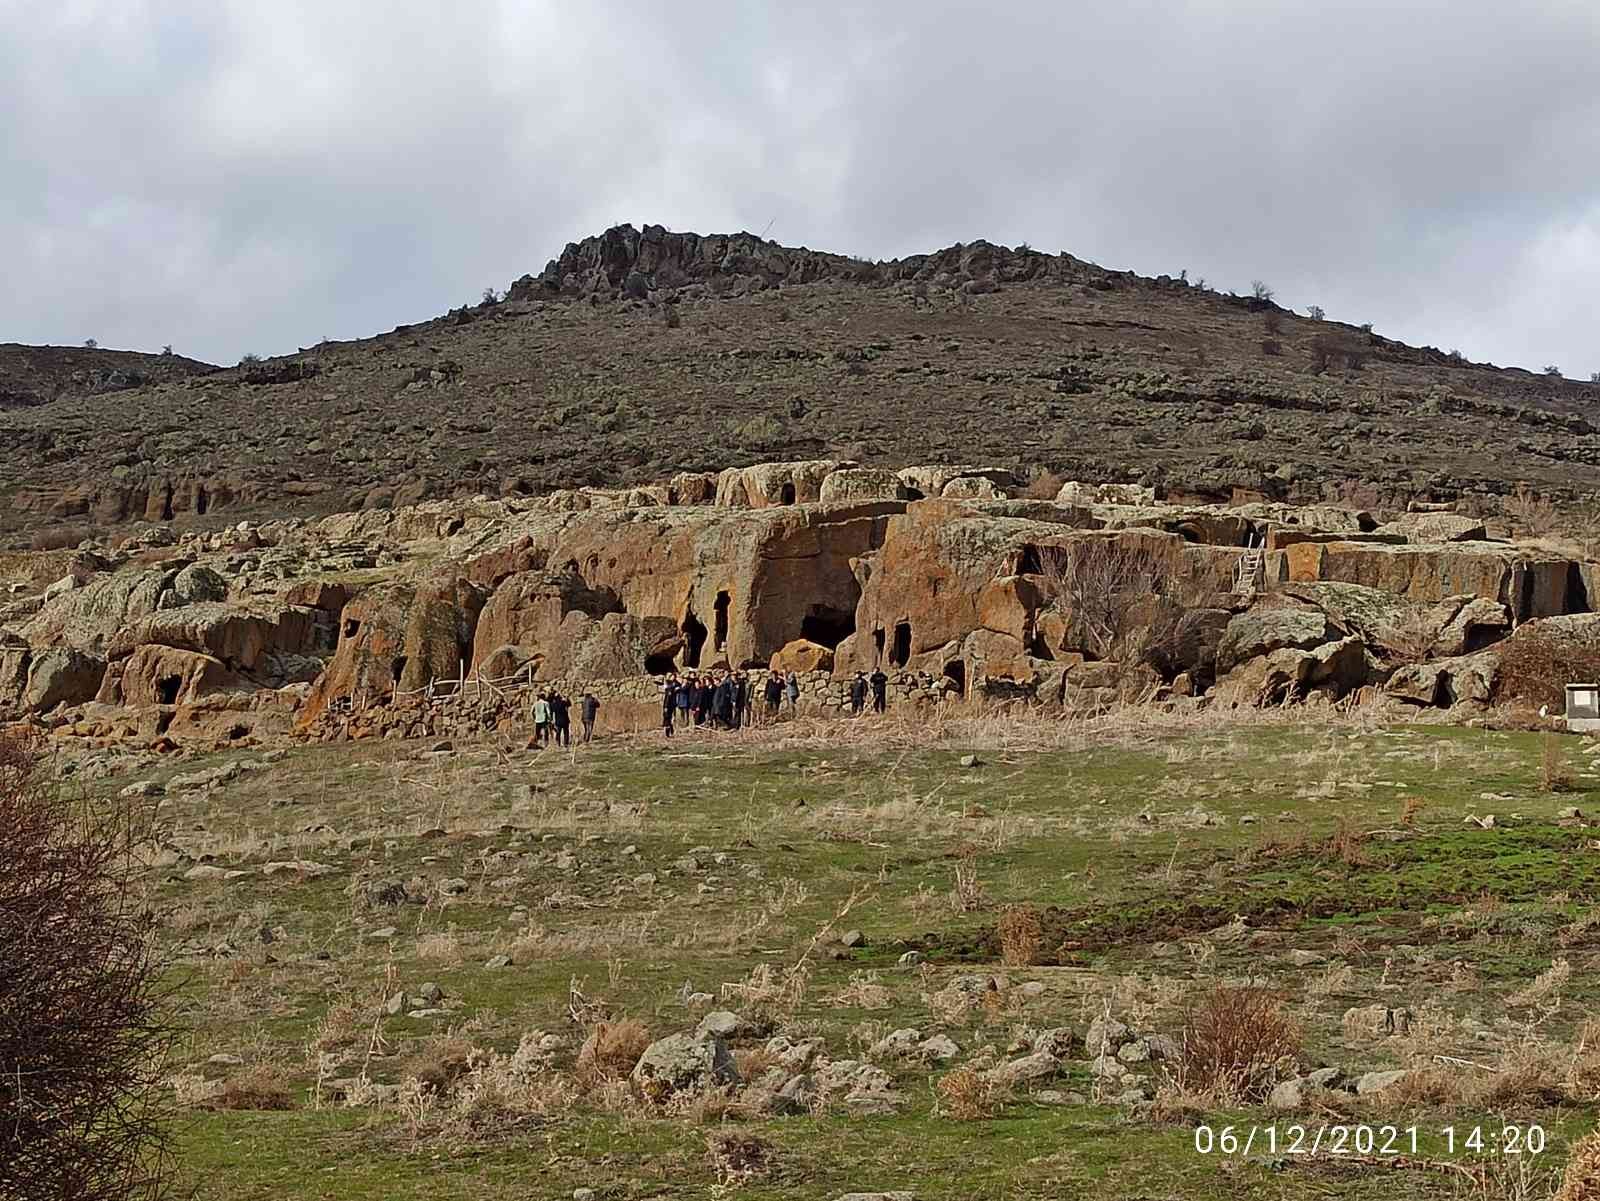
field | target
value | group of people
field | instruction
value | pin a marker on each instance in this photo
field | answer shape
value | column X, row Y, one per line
column 723, row 700
column 728, row 699
column 552, row 718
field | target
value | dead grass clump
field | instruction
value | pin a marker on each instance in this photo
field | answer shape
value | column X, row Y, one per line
column 1554, row 773
column 1021, row 933
column 439, row 1063
column 967, row 1095
column 967, row 893
column 1581, row 1181
column 261, row 1087
column 611, row 1050
column 864, row 992
column 1233, row 1039
column 1347, row 843
column 1545, row 991
column 738, row 1158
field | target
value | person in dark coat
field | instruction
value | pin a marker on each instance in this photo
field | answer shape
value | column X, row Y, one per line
column 703, row 694
column 741, row 698
column 685, row 699
column 588, row 709
column 858, row 694
column 772, row 693
column 669, row 703
column 561, row 718
column 723, row 705
column 880, row 691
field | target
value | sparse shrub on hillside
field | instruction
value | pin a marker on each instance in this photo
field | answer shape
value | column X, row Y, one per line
column 1315, row 312
column 1554, row 773
column 1044, row 486
column 82, row 1040
column 249, row 359
column 490, row 298
column 1536, row 665
column 1260, row 292
column 166, row 351
column 90, row 344
column 1594, row 377
column 1233, row 1040
column 1021, row 933
column 1553, row 371
column 1105, row 588
column 1533, row 515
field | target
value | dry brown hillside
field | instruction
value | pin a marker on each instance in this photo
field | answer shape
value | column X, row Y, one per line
column 638, row 354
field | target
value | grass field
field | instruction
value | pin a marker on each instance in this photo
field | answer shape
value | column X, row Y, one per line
column 1124, row 869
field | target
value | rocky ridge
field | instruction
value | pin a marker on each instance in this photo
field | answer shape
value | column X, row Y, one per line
column 639, row 354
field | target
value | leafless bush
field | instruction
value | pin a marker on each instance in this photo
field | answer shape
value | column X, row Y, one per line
column 260, row 1087
column 1021, row 933
column 611, row 1050
column 1044, row 486
column 82, row 1038
column 1554, row 773
column 1105, row 586
column 1233, row 1039
column 966, row 1094
column 1530, row 513
column 1536, row 664
column 1411, row 637
column 1582, row 1179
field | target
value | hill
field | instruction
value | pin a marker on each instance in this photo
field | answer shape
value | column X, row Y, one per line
column 636, row 354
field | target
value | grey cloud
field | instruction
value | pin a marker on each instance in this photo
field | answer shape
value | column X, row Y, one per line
column 230, row 177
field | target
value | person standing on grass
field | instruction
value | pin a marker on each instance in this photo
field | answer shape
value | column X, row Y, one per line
column 561, row 718
column 722, row 707
column 858, row 694
column 791, row 689
column 772, row 693
column 741, row 698
column 588, row 709
column 669, row 703
column 880, row 690
column 541, row 719
column 747, row 690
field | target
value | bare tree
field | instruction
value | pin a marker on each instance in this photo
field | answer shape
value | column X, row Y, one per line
column 82, row 1040
column 1104, row 587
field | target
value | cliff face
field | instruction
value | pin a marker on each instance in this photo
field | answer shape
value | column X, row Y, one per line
column 1099, row 595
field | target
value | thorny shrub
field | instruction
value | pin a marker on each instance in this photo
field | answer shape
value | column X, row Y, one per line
column 1233, row 1041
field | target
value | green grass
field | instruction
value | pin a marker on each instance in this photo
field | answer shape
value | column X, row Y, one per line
column 1150, row 844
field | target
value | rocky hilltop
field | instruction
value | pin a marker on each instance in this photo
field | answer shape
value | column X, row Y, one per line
column 639, row 354
column 427, row 617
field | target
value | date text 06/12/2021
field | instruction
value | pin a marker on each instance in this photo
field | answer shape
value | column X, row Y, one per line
column 1339, row 1139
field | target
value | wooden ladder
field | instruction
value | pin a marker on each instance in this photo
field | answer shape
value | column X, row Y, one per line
column 1251, row 573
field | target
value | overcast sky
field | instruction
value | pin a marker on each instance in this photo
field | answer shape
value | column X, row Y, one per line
column 231, row 176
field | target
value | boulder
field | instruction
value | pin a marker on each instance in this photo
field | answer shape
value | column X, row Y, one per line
column 162, row 675
column 1418, row 683
column 862, row 483
column 63, row 676
column 1435, row 528
column 802, row 656
column 683, row 1063
column 1261, row 631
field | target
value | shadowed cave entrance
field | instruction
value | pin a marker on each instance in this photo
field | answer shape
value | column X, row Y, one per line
column 167, row 689
column 827, row 626
column 694, row 638
column 900, row 651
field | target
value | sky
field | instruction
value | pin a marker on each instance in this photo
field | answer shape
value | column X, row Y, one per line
column 231, row 177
